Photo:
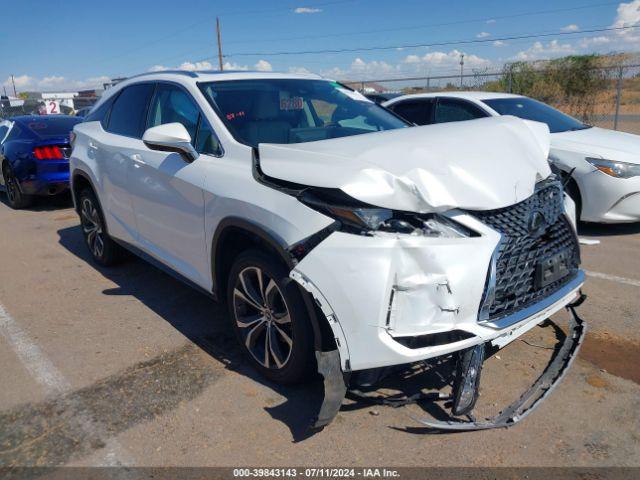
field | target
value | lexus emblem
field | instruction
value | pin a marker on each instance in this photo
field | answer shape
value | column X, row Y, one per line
column 537, row 223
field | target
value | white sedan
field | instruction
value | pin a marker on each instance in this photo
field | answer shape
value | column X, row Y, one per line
column 604, row 164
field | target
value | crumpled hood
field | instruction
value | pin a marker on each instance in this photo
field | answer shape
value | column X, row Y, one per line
column 477, row 165
column 599, row 142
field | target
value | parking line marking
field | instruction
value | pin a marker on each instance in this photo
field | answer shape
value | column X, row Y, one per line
column 46, row 374
column 36, row 363
column 614, row 278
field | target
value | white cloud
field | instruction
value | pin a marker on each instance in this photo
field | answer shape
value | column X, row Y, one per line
column 491, row 21
column 196, row 66
column 570, row 28
column 307, row 10
column 299, row 70
column 410, row 65
column 540, row 51
column 499, row 43
column 483, row 35
column 53, row 82
column 263, row 66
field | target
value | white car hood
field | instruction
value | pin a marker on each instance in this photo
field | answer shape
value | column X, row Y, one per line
column 599, row 142
column 477, row 165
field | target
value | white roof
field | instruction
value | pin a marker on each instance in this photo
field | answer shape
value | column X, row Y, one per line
column 477, row 96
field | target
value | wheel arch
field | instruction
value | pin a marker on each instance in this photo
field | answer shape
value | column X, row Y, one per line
column 234, row 235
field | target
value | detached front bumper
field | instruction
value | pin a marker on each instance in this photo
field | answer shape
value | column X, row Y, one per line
column 397, row 299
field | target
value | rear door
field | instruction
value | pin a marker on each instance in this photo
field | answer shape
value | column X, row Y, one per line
column 167, row 190
column 456, row 110
column 418, row 111
column 115, row 149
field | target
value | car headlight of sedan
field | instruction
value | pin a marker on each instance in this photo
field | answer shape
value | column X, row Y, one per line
column 615, row 169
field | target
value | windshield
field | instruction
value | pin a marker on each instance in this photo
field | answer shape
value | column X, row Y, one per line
column 530, row 109
column 294, row 111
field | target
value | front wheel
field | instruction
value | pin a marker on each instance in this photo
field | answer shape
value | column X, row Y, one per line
column 17, row 200
column 270, row 318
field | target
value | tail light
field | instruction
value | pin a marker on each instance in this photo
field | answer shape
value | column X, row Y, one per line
column 52, row 152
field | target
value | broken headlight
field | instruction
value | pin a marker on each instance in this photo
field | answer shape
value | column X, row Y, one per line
column 357, row 217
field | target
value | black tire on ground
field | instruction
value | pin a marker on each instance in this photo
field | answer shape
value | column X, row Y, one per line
column 17, row 200
column 103, row 249
column 270, row 319
column 574, row 192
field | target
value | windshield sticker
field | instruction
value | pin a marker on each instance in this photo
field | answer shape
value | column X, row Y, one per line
column 234, row 115
column 293, row 103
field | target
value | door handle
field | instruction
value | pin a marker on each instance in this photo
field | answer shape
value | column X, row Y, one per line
column 93, row 146
column 137, row 160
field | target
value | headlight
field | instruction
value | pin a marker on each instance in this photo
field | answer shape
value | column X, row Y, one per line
column 362, row 219
column 615, row 169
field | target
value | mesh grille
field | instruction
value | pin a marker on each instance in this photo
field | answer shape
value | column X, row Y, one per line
column 522, row 249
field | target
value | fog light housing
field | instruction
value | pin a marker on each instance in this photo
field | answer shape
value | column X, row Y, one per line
column 467, row 380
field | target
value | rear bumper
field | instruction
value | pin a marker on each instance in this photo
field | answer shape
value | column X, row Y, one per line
column 45, row 184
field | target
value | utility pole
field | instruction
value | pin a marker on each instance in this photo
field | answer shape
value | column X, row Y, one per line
column 461, row 69
column 15, row 94
column 219, row 45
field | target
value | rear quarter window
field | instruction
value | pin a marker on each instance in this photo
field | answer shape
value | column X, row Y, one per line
column 129, row 112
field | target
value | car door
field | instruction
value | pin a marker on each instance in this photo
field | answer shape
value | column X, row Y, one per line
column 113, row 148
column 167, row 191
column 418, row 111
column 456, row 110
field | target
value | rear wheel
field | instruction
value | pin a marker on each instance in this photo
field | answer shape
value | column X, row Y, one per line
column 270, row 318
column 103, row 249
column 16, row 198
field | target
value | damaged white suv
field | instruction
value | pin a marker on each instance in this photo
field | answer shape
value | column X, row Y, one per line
column 342, row 239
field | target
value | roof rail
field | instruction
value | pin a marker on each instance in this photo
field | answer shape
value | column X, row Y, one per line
column 187, row 73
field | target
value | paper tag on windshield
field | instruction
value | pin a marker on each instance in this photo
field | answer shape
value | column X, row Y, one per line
column 354, row 95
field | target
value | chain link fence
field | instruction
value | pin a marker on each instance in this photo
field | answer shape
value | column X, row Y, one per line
column 611, row 101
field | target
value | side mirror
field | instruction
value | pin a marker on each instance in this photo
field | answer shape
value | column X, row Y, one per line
column 170, row 137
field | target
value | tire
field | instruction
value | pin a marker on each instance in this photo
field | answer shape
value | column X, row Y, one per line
column 103, row 249
column 272, row 318
column 574, row 192
column 17, row 200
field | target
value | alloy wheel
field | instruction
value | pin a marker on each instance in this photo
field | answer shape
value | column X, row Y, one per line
column 263, row 318
column 92, row 228
column 11, row 186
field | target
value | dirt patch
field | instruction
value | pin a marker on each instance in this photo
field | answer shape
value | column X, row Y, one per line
column 617, row 355
column 51, row 432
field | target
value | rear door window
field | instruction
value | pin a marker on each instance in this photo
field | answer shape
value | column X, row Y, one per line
column 453, row 110
column 129, row 112
column 419, row 112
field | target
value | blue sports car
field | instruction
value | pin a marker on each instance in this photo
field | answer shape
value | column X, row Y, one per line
column 34, row 153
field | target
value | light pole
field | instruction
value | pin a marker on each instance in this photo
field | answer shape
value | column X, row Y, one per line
column 461, row 68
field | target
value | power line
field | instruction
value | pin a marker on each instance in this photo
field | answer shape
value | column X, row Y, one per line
column 419, row 45
column 201, row 22
column 432, row 25
column 388, row 30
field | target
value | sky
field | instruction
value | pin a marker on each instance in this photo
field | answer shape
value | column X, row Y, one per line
column 56, row 45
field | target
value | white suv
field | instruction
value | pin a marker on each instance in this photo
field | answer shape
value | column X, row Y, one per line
column 341, row 239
